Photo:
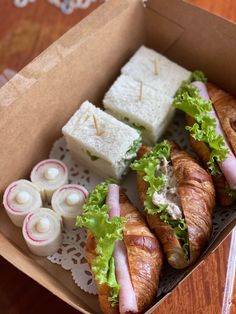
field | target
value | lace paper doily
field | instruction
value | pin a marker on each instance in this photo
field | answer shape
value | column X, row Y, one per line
column 71, row 255
column 66, row 6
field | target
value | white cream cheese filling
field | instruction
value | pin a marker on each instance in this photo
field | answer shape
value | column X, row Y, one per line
column 169, row 194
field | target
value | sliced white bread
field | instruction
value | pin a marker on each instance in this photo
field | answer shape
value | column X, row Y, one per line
column 101, row 142
column 140, row 106
column 155, row 70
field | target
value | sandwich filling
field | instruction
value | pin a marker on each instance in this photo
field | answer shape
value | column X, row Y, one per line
column 101, row 216
column 190, row 99
column 169, row 194
column 162, row 195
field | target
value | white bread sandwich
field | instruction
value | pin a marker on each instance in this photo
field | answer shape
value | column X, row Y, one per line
column 140, row 106
column 155, row 70
column 101, row 142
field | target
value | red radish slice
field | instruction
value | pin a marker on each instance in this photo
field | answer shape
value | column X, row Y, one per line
column 8, row 192
column 27, row 229
column 76, row 187
column 68, row 202
column 53, row 162
column 20, row 198
column 42, row 231
column 228, row 166
column 49, row 175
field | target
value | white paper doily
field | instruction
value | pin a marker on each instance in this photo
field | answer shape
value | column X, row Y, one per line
column 71, row 255
column 66, row 6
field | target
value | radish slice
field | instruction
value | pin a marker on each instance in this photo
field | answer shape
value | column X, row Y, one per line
column 127, row 298
column 42, row 231
column 20, row 198
column 49, row 175
column 68, row 201
column 228, row 166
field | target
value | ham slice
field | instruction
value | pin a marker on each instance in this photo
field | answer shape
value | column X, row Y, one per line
column 228, row 166
column 127, row 299
column 112, row 200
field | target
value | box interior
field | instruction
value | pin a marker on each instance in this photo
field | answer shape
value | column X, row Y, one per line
column 81, row 65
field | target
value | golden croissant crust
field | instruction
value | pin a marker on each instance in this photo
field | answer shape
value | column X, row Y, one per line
column 144, row 258
column 225, row 107
column 202, row 150
column 197, row 199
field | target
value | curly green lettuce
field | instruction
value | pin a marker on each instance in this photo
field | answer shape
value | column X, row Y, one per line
column 148, row 164
column 136, row 144
column 188, row 100
column 95, row 218
column 230, row 192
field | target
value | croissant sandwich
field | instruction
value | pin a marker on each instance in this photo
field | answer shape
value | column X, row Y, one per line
column 178, row 197
column 124, row 255
column 211, row 119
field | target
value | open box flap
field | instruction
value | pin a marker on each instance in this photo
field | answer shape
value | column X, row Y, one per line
column 195, row 38
column 47, row 91
column 36, row 103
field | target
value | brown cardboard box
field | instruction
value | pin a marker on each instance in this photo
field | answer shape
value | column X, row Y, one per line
column 81, row 65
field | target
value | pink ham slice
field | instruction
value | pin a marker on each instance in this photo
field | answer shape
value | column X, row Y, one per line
column 127, row 299
column 228, row 166
column 112, row 200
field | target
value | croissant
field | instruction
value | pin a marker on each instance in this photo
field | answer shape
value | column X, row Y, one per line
column 225, row 107
column 196, row 200
column 219, row 181
column 144, row 259
column 223, row 112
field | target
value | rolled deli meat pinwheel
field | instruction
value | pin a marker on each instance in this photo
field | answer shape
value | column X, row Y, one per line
column 211, row 118
column 20, row 198
column 124, row 255
column 68, row 201
column 178, row 197
column 49, row 175
column 42, row 231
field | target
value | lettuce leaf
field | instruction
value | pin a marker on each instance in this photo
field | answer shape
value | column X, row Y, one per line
column 198, row 76
column 136, row 144
column 92, row 157
column 148, row 164
column 189, row 101
column 230, row 192
column 95, row 217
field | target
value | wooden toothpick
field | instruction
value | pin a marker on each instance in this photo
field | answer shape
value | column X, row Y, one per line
column 141, row 91
column 155, row 67
column 96, row 125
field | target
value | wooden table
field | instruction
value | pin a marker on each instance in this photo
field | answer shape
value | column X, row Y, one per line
column 24, row 33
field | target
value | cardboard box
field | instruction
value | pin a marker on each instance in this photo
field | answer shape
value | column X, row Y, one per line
column 81, row 65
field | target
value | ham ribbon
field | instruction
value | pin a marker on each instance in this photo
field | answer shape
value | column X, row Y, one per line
column 127, row 299
column 112, row 200
column 228, row 166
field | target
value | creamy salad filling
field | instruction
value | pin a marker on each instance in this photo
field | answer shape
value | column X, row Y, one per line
column 169, row 194
column 162, row 196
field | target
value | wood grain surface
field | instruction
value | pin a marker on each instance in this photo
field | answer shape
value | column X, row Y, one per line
column 24, row 33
